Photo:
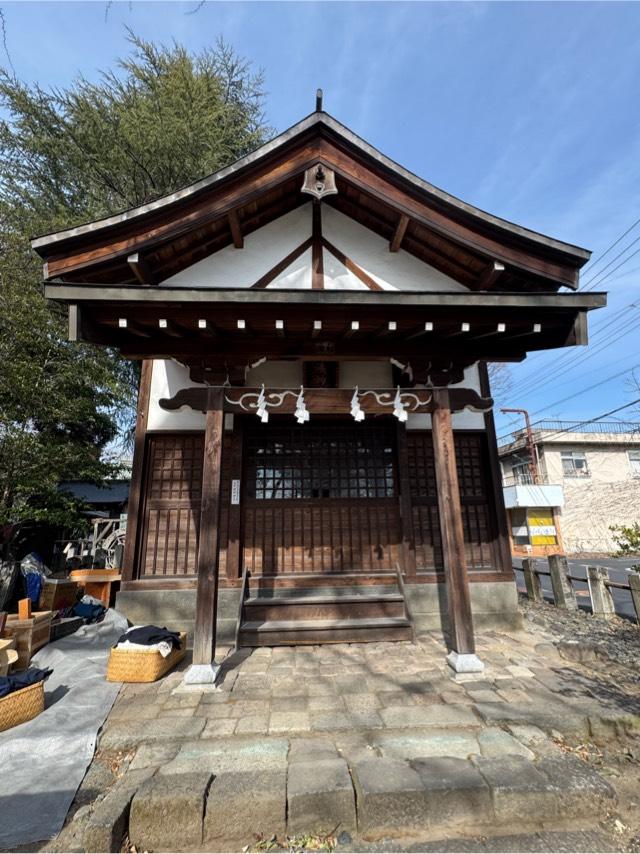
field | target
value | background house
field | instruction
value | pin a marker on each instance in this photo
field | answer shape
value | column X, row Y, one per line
column 586, row 477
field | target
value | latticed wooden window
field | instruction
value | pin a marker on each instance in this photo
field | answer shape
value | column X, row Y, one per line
column 323, row 461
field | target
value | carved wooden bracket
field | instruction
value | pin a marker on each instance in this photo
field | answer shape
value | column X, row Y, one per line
column 328, row 401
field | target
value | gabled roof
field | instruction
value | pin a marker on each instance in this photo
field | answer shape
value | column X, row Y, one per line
column 173, row 232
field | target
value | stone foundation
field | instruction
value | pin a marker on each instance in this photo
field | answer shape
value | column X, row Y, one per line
column 494, row 604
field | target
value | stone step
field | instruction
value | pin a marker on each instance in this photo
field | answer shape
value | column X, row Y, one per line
column 291, row 632
column 289, row 608
column 214, row 801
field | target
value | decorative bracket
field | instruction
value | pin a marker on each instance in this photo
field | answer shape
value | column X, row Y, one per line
column 329, row 401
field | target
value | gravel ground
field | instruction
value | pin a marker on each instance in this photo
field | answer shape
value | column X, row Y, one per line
column 617, row 639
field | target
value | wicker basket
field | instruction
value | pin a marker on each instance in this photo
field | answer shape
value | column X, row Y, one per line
column 140, row 665
column 21, row 706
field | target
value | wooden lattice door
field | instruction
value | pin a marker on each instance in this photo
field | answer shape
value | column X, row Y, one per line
column 321, row 497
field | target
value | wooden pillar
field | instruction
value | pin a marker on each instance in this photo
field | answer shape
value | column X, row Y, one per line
column 451, row 530
column 503, row 546
column 204, row 644
column 134, row 511
column 406, row 510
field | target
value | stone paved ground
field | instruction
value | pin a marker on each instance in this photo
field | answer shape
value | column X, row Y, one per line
column 380, row 743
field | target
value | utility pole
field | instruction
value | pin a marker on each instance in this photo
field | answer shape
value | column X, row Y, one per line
column 533, row 456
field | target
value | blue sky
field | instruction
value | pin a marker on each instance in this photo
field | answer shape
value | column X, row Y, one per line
column 527, row 110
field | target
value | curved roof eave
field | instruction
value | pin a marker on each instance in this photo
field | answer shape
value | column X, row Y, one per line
column 43, row 242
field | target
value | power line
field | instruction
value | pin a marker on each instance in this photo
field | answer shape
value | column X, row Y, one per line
column 597, row 260
column 589, row 421
column 611, row 272
column 531, row 384
column 578, row 393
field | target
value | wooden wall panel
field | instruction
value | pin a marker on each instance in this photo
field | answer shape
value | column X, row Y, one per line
column 478, row 512
column 171, row 505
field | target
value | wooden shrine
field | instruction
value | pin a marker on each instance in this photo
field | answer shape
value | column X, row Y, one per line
column 315, row 455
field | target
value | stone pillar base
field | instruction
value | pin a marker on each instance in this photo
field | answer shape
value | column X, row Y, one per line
column 465, row 663
column 202, row 674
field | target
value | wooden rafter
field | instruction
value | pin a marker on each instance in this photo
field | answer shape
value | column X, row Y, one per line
column 236, row 230
column 141, row 269
column 365, row 278
column 398, row 235
column 490, row 275
column 317, row 265
column 270, row 275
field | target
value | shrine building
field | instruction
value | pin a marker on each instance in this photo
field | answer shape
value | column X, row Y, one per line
column 315, row 453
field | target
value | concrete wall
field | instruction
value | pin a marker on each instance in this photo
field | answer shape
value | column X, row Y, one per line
column 176, row 609
column 609, row 496
column 494, row 606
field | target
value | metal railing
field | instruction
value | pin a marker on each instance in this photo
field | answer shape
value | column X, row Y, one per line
column 525, row 480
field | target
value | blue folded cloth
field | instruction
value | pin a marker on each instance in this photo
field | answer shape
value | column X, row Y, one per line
column 22, row 679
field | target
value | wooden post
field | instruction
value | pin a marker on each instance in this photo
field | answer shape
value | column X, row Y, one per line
column 204, row 668
column 406, row 510
column 503, row 550
column 134, row 506
column 532, row 580
column 462, row 657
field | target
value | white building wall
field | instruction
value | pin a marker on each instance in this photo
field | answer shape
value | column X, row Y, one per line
column 168, row 377
column 264, row 248
column 609, row 496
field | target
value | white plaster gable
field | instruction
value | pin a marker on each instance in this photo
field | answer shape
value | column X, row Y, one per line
column 398, row 271
column 240, row 268
column 264, row 248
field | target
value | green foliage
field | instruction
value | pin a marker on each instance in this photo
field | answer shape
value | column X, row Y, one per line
column 627, row 538
column 162, row 119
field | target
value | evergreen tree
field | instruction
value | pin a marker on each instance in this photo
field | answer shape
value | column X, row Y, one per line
column 162, row 119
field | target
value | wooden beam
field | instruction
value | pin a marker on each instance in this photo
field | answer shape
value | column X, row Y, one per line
column 74, row 322
column 490, row 276
column 204, row 641
column 327, row 401
column 168, row 327
column 398, row 235
column 461, row 637
column 141, row 269
column 580, row 301
column 270, row 275
column 358, row 272
column 130, row 556
column 317, row 263
column 236, row 230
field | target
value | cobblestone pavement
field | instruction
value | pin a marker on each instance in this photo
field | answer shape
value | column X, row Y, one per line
column 375, row 741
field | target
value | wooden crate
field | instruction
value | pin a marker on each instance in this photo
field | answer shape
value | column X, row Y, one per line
column 8, row 655
column 57, row 594
column 31, row 635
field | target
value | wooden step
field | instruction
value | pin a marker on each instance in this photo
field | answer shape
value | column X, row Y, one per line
column 293, row 632
column 324, row 579
column 329, row 607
